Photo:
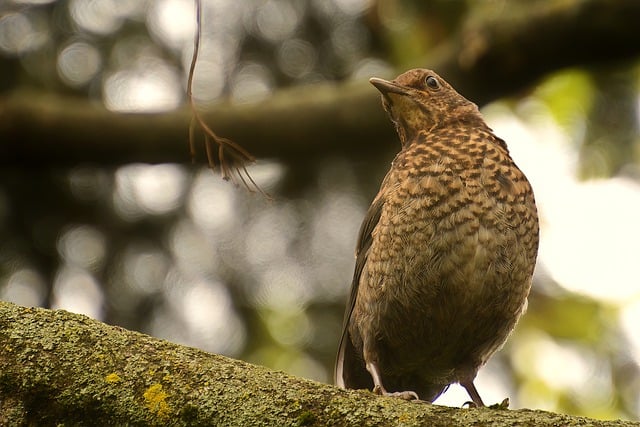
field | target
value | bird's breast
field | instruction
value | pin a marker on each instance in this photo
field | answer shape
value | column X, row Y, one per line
column 451, row 259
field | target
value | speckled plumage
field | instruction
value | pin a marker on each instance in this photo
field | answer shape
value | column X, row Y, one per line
column 446, row 251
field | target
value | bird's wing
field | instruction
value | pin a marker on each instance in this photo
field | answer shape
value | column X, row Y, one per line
column 364, row 243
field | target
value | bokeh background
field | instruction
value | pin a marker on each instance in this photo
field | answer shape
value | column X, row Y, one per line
column 174, row 251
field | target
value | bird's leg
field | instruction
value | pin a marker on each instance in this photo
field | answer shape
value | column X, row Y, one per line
column 473, row 393
column 477, row 401
column 378, row 388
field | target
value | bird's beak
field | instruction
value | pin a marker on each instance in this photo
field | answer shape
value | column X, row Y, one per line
column 387, row 87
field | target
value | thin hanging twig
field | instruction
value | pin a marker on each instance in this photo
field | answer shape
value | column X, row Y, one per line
column 231, row 156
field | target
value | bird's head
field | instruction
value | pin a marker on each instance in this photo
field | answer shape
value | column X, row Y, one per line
column 420, row 100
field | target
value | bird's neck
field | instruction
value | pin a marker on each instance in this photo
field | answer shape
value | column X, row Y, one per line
column 465, row 115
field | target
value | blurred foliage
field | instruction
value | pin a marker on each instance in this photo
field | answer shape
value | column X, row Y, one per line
column 411, row 28
column 611, row 139
column 173, row 251
column 583, row 319
column 568, row 95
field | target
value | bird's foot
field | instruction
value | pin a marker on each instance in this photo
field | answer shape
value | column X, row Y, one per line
column 473, row 394
column 405, row 395
column 379, row 389
column 499, row 406
column 502, row 405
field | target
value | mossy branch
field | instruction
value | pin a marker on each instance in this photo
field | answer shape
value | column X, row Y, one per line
column 58, row 367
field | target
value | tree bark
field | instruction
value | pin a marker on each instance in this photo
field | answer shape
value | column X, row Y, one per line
column 491, row 58
column 58, row 367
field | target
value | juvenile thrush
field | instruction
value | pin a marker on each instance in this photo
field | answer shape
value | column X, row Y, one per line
column 446, row 251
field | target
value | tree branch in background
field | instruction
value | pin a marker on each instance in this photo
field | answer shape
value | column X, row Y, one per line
column 490, row 59
column 496, row 57
column 58, row 367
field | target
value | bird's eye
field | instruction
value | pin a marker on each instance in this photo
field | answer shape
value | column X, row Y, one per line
column 432, row 82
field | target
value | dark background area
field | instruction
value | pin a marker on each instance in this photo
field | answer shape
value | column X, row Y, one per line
column 170, row 249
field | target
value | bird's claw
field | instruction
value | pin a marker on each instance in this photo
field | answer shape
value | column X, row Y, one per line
column 502, row 405
column 405, row 395
column 499, row 406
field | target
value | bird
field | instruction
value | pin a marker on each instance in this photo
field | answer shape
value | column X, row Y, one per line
column 445, row 254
